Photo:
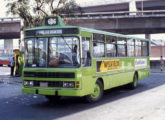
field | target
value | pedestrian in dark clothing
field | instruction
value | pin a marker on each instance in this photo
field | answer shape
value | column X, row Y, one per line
column 17, row 66
column 74, row 55
column 161, row 63
column 12, row 63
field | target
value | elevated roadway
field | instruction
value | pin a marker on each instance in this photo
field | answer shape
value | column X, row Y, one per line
column 146, row 22
column 140, row 5
column 10, row 28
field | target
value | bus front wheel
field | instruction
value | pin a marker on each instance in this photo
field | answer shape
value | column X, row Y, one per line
column 97, row 93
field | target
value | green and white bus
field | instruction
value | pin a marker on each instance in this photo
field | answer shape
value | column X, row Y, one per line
column 63, row 60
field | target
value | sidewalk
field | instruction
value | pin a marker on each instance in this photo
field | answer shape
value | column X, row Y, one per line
column 156, row 70
column 10, row 80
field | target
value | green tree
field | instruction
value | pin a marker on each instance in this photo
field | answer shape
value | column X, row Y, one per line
column 33, row 11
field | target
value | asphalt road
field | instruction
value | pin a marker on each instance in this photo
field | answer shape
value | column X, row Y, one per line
column 144, row 103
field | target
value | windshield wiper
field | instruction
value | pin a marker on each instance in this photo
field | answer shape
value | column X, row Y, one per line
column 66, row 43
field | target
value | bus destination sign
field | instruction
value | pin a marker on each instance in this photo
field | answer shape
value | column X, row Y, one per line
column 53, row 32
column 49, row 32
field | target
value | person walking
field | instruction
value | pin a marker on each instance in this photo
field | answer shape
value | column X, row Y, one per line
column 161, row 63
column 12, row 64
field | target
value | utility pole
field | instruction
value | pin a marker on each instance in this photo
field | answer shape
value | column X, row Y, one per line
column 142, row 6
column 162, row 44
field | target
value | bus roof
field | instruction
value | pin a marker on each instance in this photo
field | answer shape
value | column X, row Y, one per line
column 110, row 33
column 61, row 25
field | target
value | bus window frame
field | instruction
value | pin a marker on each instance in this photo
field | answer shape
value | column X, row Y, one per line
column 147, row 44
column 115, row 44
column 133, row 41
column 78, row 37
column 140, row 46
column 48, row 36
column 95, row 41
column 125, row 46
column 26, row 48
column 90, row 49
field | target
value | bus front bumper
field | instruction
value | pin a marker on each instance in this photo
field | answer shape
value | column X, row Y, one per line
column 58, row 92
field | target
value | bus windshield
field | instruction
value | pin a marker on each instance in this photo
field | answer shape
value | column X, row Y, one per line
column 52, row 52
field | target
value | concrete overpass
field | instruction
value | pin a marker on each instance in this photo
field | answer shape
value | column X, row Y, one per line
column 146, row 22
column 134, row 17
column 10, row 28
column 140, row 5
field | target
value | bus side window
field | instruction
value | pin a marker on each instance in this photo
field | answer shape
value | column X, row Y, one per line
column 144, row 48
column 111, row 49
column 138, row 47
column 121, row 47
column 130, row 47
column 86, row 56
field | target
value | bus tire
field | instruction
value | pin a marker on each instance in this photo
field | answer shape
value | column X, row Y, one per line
column 134, row 84
column 97, row 94
column 53, row 98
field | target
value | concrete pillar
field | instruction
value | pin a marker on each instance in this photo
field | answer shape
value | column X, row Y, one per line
column 21, row 41
column 8, row 44
column 148, row 36
column 132, row 7
column 1, row 44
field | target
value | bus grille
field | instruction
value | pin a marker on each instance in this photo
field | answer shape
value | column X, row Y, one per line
column 50, row 84
column 49, row 75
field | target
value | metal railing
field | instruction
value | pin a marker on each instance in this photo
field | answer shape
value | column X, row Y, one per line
column 10, row 19
column 116, row 14
column 102, row 15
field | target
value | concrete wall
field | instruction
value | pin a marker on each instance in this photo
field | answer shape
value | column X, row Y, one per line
column 157, row 51
column 8, row 44
column 10, row 30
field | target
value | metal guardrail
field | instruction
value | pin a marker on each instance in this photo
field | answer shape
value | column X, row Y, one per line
column 10, row 19
column 116, row 14
column 103, row 14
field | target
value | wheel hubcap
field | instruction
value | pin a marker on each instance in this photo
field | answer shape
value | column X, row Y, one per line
column 135, row 81
column 96, row 92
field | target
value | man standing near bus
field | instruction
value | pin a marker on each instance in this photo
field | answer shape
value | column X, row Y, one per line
column 12, row 63
column 161, row 63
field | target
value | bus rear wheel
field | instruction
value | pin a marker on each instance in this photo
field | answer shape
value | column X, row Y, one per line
column 134, row 84
column 97, row 93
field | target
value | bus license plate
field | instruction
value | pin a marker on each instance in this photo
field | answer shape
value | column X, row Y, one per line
column 43, row 84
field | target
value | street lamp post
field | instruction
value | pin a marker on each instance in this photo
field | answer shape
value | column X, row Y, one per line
column 142, row 6
column 162, row 48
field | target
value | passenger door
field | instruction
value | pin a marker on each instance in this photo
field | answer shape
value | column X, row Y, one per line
column 86, row 61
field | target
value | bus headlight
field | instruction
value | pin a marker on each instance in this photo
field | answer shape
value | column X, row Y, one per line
column 68, row 84
column 28, row 83
column 31, row 83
